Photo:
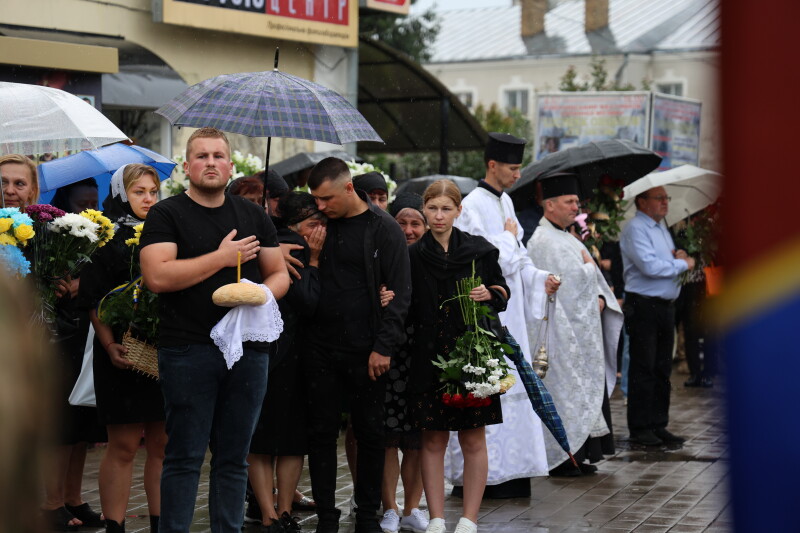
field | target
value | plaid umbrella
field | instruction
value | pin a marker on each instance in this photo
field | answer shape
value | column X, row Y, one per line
column 540, row 397
column 269, row 104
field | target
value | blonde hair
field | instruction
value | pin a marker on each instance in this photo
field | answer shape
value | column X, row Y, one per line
column 134, row 171
column 22, row 160
column 207, row 133
column 27, row 404
column 442, row 188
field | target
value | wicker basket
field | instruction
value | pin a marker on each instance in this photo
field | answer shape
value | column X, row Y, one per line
column 143, row 356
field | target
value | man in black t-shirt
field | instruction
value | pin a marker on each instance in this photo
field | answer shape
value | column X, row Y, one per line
column 189, row 245
column 352, row 338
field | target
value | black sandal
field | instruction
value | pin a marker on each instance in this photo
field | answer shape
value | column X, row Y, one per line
column 85, row 514
column 58, row 519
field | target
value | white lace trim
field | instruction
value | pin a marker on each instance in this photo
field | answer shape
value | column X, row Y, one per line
column 261, row 323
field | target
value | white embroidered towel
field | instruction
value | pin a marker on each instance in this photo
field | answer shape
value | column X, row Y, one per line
column 247, row 323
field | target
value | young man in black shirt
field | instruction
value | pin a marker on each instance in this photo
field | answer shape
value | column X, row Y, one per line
column 189, row 245
column 352, row 338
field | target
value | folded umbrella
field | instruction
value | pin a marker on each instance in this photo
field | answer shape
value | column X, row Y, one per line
column 36, row 120
column 619, row 158
column 690, row 188
column 540, row 397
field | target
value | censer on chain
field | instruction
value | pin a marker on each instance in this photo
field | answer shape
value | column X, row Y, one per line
column 540, row 358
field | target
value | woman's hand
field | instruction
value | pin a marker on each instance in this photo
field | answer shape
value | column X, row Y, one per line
column 66, row 287
column 116, row 352
column 291, row 262
column 315, row 240
column 480, row 293
column 386, row 295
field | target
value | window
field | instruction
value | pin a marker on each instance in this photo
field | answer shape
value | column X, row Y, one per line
column 517, row 99
column 466, row 98
column 670, row 88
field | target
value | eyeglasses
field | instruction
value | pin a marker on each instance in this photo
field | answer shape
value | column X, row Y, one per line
column 660, row 198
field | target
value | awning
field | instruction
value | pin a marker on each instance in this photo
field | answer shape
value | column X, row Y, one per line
column 409, row 108
column 141, row 86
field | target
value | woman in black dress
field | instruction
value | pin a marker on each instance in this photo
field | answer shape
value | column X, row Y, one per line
column 279, row 442
column 129, row 403
column 439, row 259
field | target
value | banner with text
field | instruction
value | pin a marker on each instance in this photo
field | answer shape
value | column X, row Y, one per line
column 331, row 22
column 571, row 119
column 676, row 130
column 393, row 6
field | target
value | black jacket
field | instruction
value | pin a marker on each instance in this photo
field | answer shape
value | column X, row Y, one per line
column 300, row 302
column 386, row 261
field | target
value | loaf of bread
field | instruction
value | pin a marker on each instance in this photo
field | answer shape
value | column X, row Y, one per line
column 234, row 294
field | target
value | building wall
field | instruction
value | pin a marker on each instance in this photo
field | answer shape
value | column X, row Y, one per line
column 488, row 80
column 194, row 54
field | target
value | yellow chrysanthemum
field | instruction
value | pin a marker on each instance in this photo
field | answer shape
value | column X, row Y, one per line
column 133, row 241
column 5, row 238
column 92, row 214
column 23, row 232
column 5, row 224
column 105, row 230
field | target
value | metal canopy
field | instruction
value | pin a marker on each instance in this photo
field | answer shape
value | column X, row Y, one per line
column 409, row 108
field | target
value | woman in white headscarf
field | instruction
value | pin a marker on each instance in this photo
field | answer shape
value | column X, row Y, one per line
column 128, row 403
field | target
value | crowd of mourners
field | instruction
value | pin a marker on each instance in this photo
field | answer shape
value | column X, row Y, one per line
column 368, row 296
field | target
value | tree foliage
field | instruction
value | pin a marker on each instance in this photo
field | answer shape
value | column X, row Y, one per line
column 412, row 35
column 598, row 79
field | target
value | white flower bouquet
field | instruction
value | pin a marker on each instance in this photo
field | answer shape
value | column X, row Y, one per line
column 476, row 368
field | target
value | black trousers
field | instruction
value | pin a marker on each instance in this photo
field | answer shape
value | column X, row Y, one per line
column 688, row 313
column 333, row 376
column 650, row 323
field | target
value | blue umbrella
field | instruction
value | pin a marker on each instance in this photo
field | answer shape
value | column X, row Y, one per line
column 99, row 164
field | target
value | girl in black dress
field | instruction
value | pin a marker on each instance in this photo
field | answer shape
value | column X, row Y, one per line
column 128, row 403
column 439, row 259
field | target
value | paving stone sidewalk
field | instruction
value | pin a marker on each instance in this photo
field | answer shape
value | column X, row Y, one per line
column 646, row 490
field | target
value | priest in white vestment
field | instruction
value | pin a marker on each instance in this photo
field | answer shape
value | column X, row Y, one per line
column 582, row 336
column 516, row 447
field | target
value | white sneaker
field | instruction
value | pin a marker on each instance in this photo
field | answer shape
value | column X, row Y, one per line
column 436, row 525
column 390, row 522
column 416, row 521
column 466, row 525
column 353, row 505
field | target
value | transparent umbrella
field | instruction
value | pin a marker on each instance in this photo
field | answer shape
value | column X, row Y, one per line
column 37, row 120
column 690, row 188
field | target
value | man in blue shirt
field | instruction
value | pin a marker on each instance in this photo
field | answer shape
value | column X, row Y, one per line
column 651, row 270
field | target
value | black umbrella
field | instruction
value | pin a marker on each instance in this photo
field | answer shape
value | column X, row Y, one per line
column 619, row 158
column 418, row 185
column 289, row 168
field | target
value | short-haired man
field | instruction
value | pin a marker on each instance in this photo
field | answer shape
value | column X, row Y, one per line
column 517, row 443
column 353, row 338
column 587, row 322
column 651, row 270
column 190, row 245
